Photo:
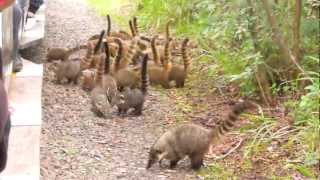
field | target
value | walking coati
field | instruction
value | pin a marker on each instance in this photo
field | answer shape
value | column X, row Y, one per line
column 62, row 53
column 71, row 68
column 125, row 76
column 133, row 98
column 178, row 72
column 160, row 75
column 105, row 87
column 192, row 140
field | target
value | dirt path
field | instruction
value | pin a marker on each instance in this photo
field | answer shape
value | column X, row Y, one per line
column 77, row 145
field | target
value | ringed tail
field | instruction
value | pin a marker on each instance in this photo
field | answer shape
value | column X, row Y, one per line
column 232, row 117
column 131, row 52
column 185, row 55
column 167, row 56
column 168, row 28
column 98, row 45
column 109, row 25
column 107, row 59
column 119, row 54
column 144, row 75
column 135, row 24
column 132, row 28
column 154, row 49
column 100, row 70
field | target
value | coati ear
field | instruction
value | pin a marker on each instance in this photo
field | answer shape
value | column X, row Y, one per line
column 162, row 155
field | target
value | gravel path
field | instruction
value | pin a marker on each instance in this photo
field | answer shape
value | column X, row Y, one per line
column 77, row 145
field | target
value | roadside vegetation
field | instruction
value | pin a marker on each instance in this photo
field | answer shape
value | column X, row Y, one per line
column 263, row 50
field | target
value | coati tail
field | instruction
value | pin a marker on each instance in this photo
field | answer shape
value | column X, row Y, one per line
column 156, row 58
column 131, row 52
column 135, row 24
column 232, row 117
column 107, row 59
column 168, row 28
column 167, row 64
column 100, row 70
column 119, row 54
column 98, row 45
column 109, row 25
column 144, row 74
column 185, row 55
column 132, row 28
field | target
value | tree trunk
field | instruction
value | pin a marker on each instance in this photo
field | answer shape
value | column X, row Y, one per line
column 296, row 30
column 278, row 38
column 260, row 76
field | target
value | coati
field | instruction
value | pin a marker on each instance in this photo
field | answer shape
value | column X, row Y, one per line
column 120, row 34
column 124, row 76
column 88, row 79
column 160, row 75
column 105, row 87
column 178, row 73
column 192, row 140
column 133, row 98
column 62, row 53
column 69, row 69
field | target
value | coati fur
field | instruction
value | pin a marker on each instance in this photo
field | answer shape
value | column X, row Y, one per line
column 133, row 98
column 105, row 87
column 160, row 75
column 62, row 53
column 123, row 75
column 192, row 140
column 178, row 72
column 69, row 69
column 87, row 79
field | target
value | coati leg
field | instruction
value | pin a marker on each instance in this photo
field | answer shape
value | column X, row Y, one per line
column 196, row 160
column 138, row 110
column 173, row 163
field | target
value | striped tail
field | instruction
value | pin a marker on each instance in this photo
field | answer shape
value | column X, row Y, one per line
column 107, row 59
column 98, row 46
column 100, row 70
column 109, row 25
column 154, row 49
column 144, row 75
column 119, row 54
column 132, row 28
column 233, row 116
column 185, row 55
column 135, row 24
column 168, row 28
column 167, row 64
column 131, row 52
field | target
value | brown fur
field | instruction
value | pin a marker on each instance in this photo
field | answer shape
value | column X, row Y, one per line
column 160, row 75
column 133, row 98
column 123, row 75
column 179, row 72
column 69, row 69
column 105, row 88
column 62, row 53
column 192, row 140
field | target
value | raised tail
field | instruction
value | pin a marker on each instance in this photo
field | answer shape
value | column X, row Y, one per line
column 100, row 70
column 185, row 55
column 144, row 75
column 232, row 117
column 135, row 25
column 107, row 59
column 154, row 49
column 131, row 52
column 109, row 25
column 98, row 45
column 119, row 54
column 167, row 64
column 133, row 33
column 168, row 28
